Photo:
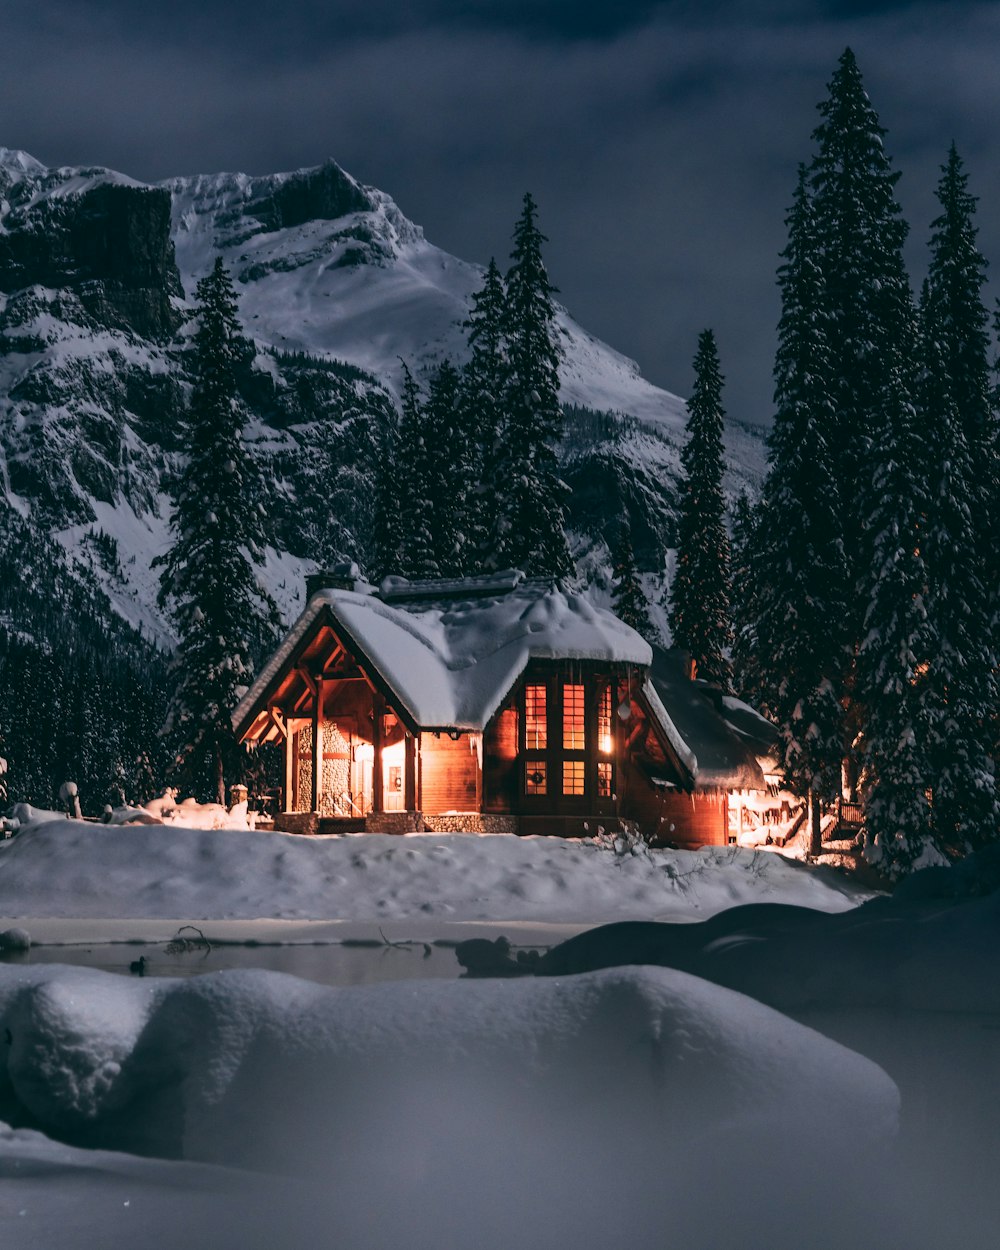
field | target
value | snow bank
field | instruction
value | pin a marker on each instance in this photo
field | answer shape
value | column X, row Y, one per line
column 442, row 1107
column 58, row 867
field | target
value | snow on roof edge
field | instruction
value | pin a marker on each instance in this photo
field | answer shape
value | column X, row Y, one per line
column 687, row 756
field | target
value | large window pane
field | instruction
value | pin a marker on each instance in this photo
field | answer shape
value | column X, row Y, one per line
column 535, row 728
column 572, row 719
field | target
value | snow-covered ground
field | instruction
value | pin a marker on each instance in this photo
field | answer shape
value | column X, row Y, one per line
column 640, row 1106
column 57, row 867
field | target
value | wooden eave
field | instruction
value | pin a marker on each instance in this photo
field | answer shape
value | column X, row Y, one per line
column 294, row 683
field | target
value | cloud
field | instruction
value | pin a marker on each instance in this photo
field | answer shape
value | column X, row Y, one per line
column 661, row 146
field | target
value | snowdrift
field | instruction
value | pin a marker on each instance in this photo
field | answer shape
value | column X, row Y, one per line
column 453, row 1113
column 56, row 867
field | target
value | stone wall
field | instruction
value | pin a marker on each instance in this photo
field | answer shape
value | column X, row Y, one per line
column 394, row 822
column 296, row 822
column 471, row 822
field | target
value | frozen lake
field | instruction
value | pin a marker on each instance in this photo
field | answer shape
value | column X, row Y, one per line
column 362, row 957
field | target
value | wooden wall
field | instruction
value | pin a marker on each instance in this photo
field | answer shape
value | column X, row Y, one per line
column 691, row 819
column 449, row 774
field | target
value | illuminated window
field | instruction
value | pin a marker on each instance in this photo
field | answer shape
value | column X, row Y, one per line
column 535, row 729
column 605, row 780
column 573, row 773
column 535, row 777
column 572, row 721
column 605, row 742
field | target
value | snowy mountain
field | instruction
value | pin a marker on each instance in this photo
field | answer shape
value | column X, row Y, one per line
column 335, row 286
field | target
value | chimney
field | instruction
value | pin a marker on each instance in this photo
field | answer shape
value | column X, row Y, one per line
column 341, row 577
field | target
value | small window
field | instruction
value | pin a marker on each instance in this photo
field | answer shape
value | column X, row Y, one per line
column 605, row 740
column 572, row 719
column 573, row 775
column 535, row 777
column 605, row 780
column 536, row 736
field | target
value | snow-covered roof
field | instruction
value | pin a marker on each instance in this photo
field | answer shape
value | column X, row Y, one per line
column 722, row 736
column 452, row 651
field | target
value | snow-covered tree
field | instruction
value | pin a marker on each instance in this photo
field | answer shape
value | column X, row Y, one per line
column 628, row 598
column 859, row 233
column 743, row 542
column 958, row 679
column 800, row 578
column 417, row 555
column 699, row 613
column 208, row 583
column 483, row 385
column 531, row 533
column 387, row 520
column 449, row 461
column 892, row 659
column 964, row 522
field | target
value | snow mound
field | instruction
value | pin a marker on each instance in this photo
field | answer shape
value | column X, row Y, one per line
column 431, row 1085
column 58, row 867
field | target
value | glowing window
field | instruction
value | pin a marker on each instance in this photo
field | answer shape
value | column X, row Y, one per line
column 605, row 780
column 605, row 741
column 535, row 777
column 536, row 736
column 572, row 721
column 573, row 774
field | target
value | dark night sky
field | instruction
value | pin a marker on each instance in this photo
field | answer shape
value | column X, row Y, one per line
column 660, row 137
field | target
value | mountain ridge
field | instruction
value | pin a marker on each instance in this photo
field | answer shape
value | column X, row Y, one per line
column 97, row 271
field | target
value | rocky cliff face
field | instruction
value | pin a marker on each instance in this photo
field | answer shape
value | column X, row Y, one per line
column 334, row 286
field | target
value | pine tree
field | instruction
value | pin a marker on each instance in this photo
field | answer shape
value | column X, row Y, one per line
column 893, row 656
column 628, row 599
column 483, row 385
column 699, row 615
column 208, row 583
column 859, row 233
column 531, row 527
column 964, row 476
column 450, row 462
column 959, row 675
column 800, row 577
column 418, row 556
column 387, row 522
column 743, row 541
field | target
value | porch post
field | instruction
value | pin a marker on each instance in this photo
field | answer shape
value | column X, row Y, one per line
column 317, row 728
column 410, row 773
column 289, row 797
column 378, row 720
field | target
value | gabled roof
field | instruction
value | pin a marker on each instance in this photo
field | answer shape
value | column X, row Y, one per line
column 450, row 651
column 724, row 738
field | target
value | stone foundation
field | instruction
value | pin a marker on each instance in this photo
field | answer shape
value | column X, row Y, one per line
column 297, row 822
column 394, row 822
column 471, row 822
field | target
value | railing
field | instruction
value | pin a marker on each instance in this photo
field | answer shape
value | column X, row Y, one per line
column 850, row 815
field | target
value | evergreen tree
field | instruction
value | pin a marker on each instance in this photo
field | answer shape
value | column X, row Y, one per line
column 699, row 613
column 531, row 533
column 418, row 557
column 893, row 656
column 859, row 234
column 387, row 535
column 958, row 680
column 450, row 466
column 483, row 385
column 628, row 599
column 966, row 575
column 208, row 583
column 743, row 542
column 800, row 578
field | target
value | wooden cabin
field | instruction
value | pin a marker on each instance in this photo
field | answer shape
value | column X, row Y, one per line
column 487, row 704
